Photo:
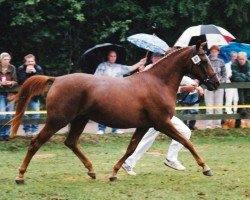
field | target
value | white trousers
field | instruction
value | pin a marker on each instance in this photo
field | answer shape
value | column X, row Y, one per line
column 149, row 138
column 214, row 98
column 232, row 98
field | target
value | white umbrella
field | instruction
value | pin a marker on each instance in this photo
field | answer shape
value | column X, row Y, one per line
column 213, row 35
column 149, row 42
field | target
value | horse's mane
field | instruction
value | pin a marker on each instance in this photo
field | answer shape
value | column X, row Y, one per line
column 170, row 52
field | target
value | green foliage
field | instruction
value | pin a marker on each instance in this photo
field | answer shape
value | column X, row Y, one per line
column 58, row 32
column 116, row 27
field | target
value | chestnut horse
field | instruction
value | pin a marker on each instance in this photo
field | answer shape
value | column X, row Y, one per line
column 140, row 101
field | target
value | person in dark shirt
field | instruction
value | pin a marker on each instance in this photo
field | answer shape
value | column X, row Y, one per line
column 28, row 69
column 241, row 73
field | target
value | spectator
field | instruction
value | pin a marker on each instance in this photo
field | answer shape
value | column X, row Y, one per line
column 8, row 79
column 191, row 99
column 215, row 98
column 241, row 73
column 231, row 94
column 28, row 69
column 111, row 68
column 154, row 58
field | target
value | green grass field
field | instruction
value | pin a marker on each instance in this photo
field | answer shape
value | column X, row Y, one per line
column 56, row 173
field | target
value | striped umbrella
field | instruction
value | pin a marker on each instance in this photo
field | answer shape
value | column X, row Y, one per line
column 213, row 35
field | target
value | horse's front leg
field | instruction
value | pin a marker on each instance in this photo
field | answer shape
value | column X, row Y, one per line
column 136, row 138
column 168, row 128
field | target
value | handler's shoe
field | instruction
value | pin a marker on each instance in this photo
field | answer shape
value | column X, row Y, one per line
column 100, row 132
column 129, row 170
column 174, row 164
column 118, row 131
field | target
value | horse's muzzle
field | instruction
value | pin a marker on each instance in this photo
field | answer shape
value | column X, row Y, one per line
column 212, row 85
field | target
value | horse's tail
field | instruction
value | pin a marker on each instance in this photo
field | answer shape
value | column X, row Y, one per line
column 33, row 86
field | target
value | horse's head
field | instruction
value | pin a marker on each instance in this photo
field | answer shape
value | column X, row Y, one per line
column 202, row 69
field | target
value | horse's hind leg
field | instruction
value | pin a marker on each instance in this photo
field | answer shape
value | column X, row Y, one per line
column 168, row 129
column 44, row 135
column 76, row 128
column 136, row 138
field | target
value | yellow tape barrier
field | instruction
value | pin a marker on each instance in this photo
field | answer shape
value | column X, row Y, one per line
column 176, row 108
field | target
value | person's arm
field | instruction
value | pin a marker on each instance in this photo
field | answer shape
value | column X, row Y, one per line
column 236, row 75
column 228, row 70
column 13, row 81
column 248, row 71
column 21, row 75
column 100, row 69
column 39, row 70
column 147, row 67
column 223, row 72
column 187, row 81
column 187, row 88
column 200, row 91
column 189, row 85
column 140, row 65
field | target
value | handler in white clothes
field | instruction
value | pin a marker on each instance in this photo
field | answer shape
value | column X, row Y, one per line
column 189, row 85
column 232, row 96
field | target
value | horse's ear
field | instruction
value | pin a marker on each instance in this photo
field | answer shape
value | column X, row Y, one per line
column 198, row 44
column 203, row 44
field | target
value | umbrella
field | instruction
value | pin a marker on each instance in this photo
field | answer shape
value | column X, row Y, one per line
column 92, row 57
column 149, row 42
column 213, row 35
column 234, row 46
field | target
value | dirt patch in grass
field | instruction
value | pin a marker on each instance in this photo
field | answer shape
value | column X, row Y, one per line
column 155, row 153
column 41, row 156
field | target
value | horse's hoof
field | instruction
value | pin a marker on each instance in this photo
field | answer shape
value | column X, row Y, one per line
column 92, row 175
column 19, row 181
column 113, row 178
column 208, row 173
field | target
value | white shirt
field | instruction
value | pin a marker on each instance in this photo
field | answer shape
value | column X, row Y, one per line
column 228, row 71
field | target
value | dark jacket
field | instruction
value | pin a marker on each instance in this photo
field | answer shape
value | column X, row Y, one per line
column 22, row 75
column 240, row 73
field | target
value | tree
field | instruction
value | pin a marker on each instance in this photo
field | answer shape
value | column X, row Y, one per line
column 58, row 32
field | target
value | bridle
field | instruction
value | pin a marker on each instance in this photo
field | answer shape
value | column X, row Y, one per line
column 195, row 57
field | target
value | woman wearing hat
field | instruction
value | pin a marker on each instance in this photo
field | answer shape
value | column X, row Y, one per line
column 215, row 98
